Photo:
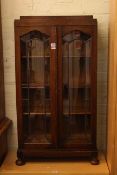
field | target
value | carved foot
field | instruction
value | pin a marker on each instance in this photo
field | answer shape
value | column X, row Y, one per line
column 20, row 162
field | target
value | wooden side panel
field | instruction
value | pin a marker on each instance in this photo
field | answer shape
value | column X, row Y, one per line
column 3, row 138
column 112, row 92
column 4, row 122
column 3, row 146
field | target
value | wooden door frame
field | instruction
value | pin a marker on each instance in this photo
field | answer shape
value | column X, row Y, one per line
column 92, row 31
column 18, row 33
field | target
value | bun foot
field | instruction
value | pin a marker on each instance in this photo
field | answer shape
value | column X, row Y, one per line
column 20, row 162
column 94, row 161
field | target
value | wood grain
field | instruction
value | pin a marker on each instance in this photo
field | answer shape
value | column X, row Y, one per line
column 112, row 92
column 59, row 26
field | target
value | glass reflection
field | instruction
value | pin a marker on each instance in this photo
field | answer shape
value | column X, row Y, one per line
column 35, row 65
column 76, row 87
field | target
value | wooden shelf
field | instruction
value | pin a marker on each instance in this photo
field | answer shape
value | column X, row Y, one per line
column 75, row 83
column 80, row 86
column 38, row 109
column 35, row 85
column 76, row 57
column 37, row 113
column 35, row 56
column 79, row 138
column 77, row 108
column 77, row 113
column 38, row 138
column 66, row 114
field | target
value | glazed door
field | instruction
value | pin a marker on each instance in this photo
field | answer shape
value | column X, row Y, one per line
column 75, row 87
column 38, row 83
